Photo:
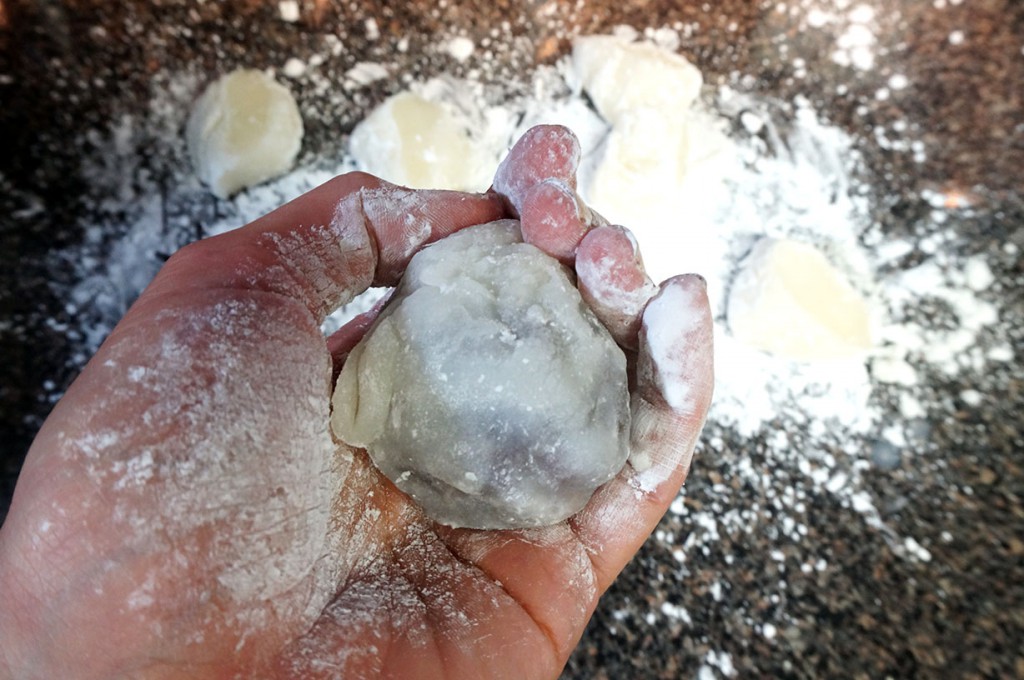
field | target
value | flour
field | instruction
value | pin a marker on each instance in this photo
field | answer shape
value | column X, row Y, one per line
column 289, row 10
column 460, row 48
column 364, row 73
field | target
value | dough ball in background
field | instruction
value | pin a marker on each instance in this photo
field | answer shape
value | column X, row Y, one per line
column 639, row 165
column 621, row 76
column 789, row 300
column 645, row 93
column 487, row 390
column 662, row 159
column 244, row 129
column 416, row 142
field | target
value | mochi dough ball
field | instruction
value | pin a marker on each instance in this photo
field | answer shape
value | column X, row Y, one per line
column 418, row 143
column 622, row 76
column 487, row 390
column 245, row 129
column 790, row 301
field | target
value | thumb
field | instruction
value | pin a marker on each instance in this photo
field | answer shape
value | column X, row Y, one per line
column 329, row 245
column 184, row 481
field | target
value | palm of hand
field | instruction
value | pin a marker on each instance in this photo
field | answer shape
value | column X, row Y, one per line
column 185, row 511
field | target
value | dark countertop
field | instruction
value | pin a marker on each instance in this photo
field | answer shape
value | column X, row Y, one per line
column 69, row 67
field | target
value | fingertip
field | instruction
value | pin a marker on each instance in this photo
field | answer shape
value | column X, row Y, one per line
column 550, row 219
column 613, row 282
column 675, row 365
column 543, row 152
column 691, row 281
column 615, row 243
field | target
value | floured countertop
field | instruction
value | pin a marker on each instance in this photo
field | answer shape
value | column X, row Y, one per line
column 866, row 523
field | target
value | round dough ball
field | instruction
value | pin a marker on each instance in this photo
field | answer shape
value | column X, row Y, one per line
column 790, row 301
column 622, row 76
column 245, row 129
column 418, row 143
column 487, row 390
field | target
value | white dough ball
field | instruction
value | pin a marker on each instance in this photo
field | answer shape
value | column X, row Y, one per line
column 661, row 157
column 244, row 129
column 639, row 168
column 790, row 301
column 487, row 390
column 418, row 143
column 621, row 76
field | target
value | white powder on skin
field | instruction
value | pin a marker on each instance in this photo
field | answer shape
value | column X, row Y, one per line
column 668, row 318
column 241, row 531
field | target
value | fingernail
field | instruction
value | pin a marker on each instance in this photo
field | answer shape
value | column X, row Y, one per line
column 560, row 186
column 688, row 280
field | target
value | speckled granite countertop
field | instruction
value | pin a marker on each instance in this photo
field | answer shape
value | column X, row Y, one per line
column 959, row 488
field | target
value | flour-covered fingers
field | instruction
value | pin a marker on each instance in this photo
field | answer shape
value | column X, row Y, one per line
column 675, row 377
column 553, row 219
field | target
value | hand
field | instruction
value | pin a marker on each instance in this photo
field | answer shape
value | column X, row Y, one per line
column 184, row 511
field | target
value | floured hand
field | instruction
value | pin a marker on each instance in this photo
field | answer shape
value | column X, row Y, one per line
column 184, row 511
